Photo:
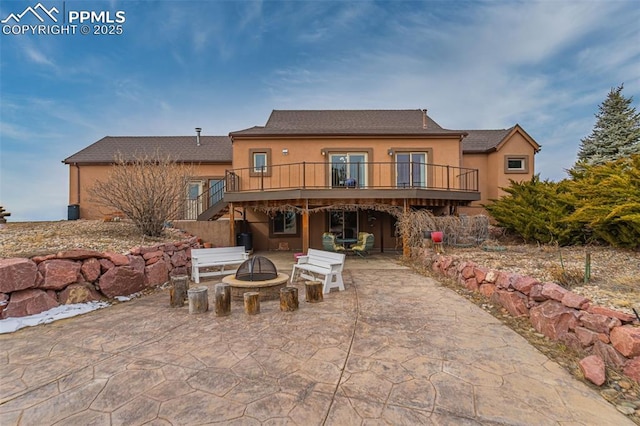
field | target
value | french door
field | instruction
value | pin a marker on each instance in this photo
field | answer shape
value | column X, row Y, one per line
column 411, row 169
column 349, row 170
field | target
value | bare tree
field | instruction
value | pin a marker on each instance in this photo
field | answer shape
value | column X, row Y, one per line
column 149, row 189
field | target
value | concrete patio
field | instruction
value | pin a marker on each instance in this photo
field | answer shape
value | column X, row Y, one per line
column 394, row 348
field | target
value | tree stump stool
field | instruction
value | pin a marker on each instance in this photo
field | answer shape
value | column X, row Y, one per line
column 313, row 291
column 288, row 299
column 252, row 302
column 223, row 299
column 198, row 300
column 178, row 290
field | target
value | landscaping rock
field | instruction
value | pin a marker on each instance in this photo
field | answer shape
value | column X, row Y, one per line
column 573, row 300
column 611, row 313
column 117, row 259
column 121, row 281
column 505, row 280
column 471, row 284
column 525, row 284
column 58, row 273
column 480, row 273
column 585, row 336
column 593, row 369
column 105, row 265
column 536, row 295
column 609, row 354
column 156, row 274
column 491, row 276
column 553, row 319
column 553, row 291
column 626, row 340
column 632, row 369
column 179, row 258
column 137, row 263
column 78, row 293
column 78, row 254
column 487, row 289
column 598, row 323
column 28, row 302
column 17, row 274
column 514, row 302
column 91, row 269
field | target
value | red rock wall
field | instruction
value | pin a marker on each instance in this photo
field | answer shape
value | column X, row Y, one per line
column 559, row 314
column 31, row 286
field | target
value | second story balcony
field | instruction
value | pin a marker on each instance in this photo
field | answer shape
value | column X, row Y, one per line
column 352, row 179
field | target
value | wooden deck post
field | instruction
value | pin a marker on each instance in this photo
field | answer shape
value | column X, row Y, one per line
column 232, row 225
column 305, row 227
column 406, row 250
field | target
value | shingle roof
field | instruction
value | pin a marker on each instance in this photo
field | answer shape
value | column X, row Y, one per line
column 212, row 149
column 483, row 140
column 347, row 122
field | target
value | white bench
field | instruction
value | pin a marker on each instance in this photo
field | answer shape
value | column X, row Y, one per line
column 323, row 263
column 216, row 257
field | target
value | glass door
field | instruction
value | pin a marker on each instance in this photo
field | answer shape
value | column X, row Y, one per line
column 344, row 225
column 411, row 169
column 194, row 201
column 349, row 170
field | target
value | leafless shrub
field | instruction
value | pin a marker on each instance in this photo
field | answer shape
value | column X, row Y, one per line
column 457, row 230
column 149, row 189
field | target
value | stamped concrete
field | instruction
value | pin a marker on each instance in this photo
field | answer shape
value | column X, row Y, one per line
column 394, row 348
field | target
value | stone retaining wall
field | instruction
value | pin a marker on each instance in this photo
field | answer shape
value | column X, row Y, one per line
column 612, row 337
column 31, row 286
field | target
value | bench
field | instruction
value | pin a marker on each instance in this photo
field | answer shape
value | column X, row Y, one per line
column 216, row 257
column 322, row 263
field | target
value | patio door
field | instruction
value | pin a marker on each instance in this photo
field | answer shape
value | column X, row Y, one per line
column 344, row 225
column 193, row 205
column 349, row 170
column 411, row 169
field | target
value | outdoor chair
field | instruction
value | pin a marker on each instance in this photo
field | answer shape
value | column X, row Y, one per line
column 364, row 246
column 329, row 243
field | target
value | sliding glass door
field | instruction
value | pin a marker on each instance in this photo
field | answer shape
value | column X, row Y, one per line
column 349, row 170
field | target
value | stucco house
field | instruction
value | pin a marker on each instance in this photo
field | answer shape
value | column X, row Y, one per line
column 306, row 172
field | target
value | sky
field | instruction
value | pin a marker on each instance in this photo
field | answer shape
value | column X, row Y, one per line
column 224, row 65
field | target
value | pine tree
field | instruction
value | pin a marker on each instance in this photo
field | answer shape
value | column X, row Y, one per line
column 616, row 133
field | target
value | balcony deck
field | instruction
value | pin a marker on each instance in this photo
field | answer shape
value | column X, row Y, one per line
column 422, row 184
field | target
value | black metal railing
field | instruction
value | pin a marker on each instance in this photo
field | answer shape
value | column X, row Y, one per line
column 362, row 175
column 193, row 207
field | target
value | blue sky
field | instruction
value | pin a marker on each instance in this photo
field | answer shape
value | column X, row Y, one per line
column 224, row 66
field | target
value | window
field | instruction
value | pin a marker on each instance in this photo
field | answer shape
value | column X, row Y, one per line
column 260, row 160
column 284, row 223
column 411, row 169
column 516, row 164
column 349, row 170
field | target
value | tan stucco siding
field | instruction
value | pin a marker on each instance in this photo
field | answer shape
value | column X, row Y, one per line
column 381, row 173
column 88, row 175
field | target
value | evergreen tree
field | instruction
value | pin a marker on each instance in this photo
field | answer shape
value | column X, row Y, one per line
column 616, row 133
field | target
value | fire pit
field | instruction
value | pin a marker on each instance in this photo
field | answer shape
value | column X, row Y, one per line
column 257, row 274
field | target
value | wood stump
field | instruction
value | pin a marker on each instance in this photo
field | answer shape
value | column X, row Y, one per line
column 313, row 291
column 252, row 302
column 198, row 300
column 178, row 290
column 223, row 299
column 288, row 299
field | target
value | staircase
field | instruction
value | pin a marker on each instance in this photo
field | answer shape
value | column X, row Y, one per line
column 215, row 211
